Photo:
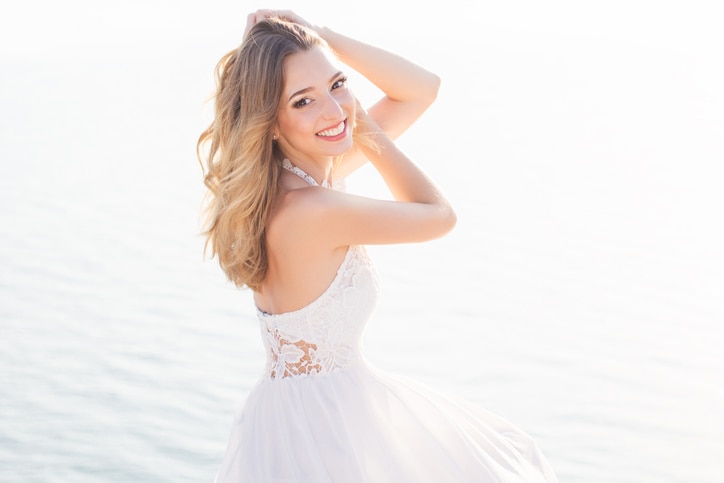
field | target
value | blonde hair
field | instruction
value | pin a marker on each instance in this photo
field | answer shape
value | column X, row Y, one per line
column 242, row 165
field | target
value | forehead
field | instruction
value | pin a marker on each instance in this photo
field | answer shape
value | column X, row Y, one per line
column 309, row 68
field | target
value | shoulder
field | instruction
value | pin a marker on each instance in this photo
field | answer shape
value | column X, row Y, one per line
column 299, row 211
column 324, row 219
column 306, row 203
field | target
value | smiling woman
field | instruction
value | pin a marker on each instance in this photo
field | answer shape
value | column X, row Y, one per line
column 287, row 130
column 315, row 119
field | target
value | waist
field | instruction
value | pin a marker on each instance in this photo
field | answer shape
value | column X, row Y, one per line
column 307, row 359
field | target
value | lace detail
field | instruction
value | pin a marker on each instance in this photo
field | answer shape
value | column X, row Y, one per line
column 325, row 335
column 337, row 184
column 286, row 164
column 293, row 358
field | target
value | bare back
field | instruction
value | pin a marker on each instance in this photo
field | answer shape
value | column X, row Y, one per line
column 301, row 266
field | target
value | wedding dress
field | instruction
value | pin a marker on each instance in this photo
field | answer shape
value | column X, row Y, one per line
column 320, row 413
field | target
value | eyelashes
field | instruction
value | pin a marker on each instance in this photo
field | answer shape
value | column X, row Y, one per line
column 305, row 101
column 302, row 102
column 341, row 82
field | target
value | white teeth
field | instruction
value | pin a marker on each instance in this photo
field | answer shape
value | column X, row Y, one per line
column 332, row 132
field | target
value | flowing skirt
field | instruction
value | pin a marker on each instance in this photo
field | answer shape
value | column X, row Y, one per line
column 360, row 425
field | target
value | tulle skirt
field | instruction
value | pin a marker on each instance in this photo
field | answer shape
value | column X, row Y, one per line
column 361, row 425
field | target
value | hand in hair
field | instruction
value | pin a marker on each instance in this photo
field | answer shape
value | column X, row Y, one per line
column 255, row 17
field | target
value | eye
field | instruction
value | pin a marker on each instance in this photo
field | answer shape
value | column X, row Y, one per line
column 341, row 82
column 302, row 102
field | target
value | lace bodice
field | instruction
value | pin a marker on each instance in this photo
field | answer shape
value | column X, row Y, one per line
column 325, row 335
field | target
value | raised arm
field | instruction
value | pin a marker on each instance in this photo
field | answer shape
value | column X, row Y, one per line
column 408, row 88
column 329, row 218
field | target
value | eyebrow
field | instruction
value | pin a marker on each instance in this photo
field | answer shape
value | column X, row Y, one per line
column 307, row 89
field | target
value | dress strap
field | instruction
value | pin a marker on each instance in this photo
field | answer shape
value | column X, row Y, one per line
column 286, row 164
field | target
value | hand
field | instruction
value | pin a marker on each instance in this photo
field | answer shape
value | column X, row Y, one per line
column 262, row 14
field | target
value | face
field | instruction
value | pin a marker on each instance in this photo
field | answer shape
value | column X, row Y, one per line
column 316, row 112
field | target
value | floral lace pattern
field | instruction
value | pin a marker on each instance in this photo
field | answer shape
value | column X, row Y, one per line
column 325, row 335
column 337, row 184
column 286, row 164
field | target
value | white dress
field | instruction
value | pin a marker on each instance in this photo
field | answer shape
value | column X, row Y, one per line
column 320, row 413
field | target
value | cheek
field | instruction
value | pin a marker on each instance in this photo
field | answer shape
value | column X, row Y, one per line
column 348, row 99
column 349, row 104
column 306, row 121
column 292, row 123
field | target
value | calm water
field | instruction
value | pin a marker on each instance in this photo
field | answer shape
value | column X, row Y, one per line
column 580, row 296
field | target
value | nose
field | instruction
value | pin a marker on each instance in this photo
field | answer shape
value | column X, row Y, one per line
column 332, row 108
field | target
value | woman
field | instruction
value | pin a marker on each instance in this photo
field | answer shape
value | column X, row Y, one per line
column 287, row 130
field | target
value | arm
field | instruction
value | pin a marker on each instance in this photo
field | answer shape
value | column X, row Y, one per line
column 331, row 219
column 408, row 88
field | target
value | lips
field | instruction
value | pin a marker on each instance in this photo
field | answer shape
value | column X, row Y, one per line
column 333, row 131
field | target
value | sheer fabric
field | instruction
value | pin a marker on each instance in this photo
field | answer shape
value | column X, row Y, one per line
column 321, row 413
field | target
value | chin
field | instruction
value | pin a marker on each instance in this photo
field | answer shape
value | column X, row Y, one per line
column 339, row 150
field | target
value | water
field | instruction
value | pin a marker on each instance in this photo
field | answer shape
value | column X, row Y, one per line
column 580, row 295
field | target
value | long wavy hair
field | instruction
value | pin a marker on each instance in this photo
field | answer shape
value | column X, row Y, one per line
column 242, row 162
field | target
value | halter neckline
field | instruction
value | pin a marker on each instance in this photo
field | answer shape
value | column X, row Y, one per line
column 286, row 164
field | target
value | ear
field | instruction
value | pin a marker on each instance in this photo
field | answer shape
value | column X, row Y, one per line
column 275, row 131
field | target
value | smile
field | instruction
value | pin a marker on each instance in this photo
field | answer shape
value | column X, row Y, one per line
column 334, row 131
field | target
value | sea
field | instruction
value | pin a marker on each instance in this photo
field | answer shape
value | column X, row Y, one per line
column 581, row 295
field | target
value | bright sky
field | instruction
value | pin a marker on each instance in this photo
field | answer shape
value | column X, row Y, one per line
column 51, row 28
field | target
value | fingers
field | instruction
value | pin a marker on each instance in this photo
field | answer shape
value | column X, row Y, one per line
column 255, row 17
column 250, row 22
column 287, row 15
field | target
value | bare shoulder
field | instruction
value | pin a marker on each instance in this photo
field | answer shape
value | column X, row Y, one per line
column 302, row 261
column 323, row 219
column 296, row 213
